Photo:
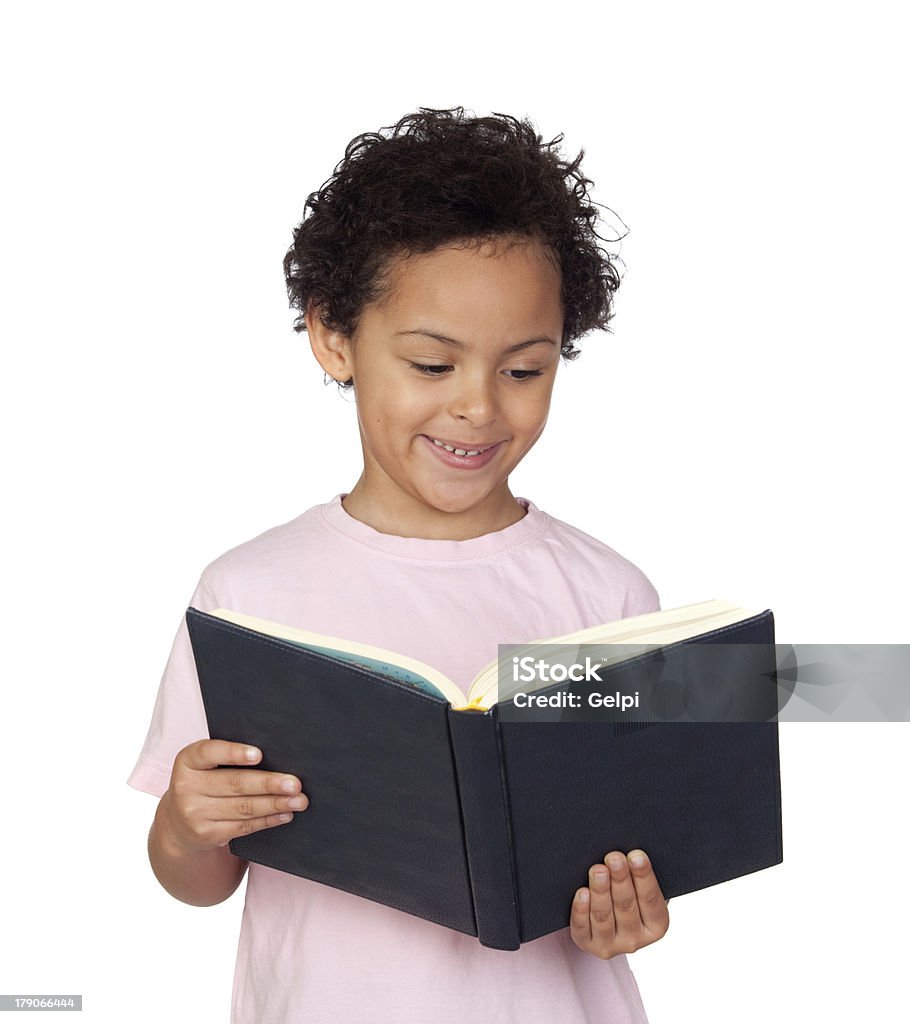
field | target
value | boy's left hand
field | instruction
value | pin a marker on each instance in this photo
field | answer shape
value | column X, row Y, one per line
column 621, row 909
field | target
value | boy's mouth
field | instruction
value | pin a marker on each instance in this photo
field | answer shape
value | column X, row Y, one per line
column 461, row 448
column 460, row 454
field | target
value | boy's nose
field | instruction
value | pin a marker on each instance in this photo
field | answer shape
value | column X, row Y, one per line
column 475, row 401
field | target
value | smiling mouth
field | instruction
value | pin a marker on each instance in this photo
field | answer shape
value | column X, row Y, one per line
column 462, row 449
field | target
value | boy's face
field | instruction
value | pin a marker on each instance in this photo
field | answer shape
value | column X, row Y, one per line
column 486, row 390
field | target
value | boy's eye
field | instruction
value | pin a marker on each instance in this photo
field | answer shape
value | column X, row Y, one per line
column 430, row 371
column 433, row 370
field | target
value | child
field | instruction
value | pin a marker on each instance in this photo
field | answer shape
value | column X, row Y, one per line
column 441, row 272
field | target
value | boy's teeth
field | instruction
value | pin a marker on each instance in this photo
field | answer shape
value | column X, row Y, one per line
column 449, row 448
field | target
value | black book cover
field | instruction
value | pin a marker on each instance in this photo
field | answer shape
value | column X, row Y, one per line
column 475, row 820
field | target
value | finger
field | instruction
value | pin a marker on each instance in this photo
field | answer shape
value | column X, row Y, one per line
column 580, row 918
column 217, row 759
column 205, row 754
column 652, row 906
column 625, row 899
column 226, row 831
column 245, row 806
column 230, row 781
column 602, row 910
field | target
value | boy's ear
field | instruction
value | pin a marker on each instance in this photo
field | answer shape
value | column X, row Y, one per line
column 331, row 348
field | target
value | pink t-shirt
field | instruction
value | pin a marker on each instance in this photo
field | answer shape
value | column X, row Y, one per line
column 310, row 954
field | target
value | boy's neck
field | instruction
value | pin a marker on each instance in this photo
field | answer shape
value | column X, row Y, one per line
column 407, row 517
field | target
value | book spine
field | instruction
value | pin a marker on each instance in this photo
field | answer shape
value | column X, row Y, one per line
column 485, row 815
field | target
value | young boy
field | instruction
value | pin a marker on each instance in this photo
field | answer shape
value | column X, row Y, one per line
column 441, row 273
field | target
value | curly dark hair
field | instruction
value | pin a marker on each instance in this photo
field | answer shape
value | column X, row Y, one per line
column 438, row 177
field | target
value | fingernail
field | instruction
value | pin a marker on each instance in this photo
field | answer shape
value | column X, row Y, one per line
column 600, row 877
column 297, row 802
column 252, row 754
column 582, row 895
column 285, row 817
column 637, row 860
column 288, row 785
column 616, row 862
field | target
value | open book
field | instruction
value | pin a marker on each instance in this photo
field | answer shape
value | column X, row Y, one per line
column 631, row 636
column 464, row 815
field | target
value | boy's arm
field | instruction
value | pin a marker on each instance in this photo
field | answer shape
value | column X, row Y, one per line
column 207, row 804
column 201, row 878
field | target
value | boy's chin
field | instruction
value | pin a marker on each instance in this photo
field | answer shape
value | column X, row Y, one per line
column 464, row 504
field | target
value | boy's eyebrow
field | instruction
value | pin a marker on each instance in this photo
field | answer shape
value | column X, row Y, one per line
column 460, row 344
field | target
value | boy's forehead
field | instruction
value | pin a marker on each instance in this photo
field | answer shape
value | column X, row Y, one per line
column 504, row 278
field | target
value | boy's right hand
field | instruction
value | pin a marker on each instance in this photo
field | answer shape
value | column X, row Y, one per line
column 209, row 802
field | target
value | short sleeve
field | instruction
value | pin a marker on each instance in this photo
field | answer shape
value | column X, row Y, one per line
column 179, row 716
column 641, row 597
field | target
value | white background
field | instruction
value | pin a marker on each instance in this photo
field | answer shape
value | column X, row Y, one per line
column 743, row 427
